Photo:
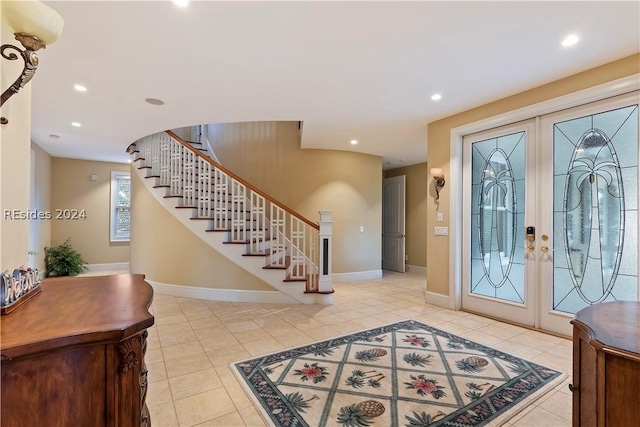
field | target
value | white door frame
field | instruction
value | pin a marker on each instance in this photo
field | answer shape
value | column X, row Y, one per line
column 596, row 93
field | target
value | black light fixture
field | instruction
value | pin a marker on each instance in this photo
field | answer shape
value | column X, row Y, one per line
column 35, row 25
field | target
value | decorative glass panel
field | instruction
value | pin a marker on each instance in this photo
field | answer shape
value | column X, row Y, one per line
column 595, row 209
column 497, row 217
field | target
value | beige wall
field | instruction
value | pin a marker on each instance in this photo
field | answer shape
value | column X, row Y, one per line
column 439, row 148
column 268, row 155
column 15, row 163
column 416, row 211
column 184, row 133
column 72, row 188
column 42, row 228
column 168, row 252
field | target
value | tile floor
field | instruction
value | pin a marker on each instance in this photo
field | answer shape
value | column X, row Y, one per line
column 193, row 342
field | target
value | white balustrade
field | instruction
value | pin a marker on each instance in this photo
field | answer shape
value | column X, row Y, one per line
column 247, row 215
column 277, row 253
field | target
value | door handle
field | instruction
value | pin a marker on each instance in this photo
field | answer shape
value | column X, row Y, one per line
column 544, row 249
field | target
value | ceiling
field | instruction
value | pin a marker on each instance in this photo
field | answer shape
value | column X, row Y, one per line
column 348, row 70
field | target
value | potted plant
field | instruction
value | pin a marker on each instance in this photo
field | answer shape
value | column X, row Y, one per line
column 63, row 260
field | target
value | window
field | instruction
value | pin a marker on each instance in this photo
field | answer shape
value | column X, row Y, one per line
column 120, row 218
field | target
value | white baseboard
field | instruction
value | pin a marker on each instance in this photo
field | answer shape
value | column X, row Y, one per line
column 114, row 266
column 356, row 276
column 416, row 269
column 217, row 294
column 437, row 299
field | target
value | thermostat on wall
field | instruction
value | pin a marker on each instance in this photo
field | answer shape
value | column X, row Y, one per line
column 94, row 177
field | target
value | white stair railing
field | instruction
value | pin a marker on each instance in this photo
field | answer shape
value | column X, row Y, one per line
column 286, row 239
column 199, row 134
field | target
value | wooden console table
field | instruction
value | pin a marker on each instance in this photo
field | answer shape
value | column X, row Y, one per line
column 606, row 365
column 74, row 355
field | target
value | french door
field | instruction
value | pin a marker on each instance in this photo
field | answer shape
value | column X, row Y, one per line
column 550, row 220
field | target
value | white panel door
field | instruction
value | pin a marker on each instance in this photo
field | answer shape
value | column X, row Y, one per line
column 393, row 223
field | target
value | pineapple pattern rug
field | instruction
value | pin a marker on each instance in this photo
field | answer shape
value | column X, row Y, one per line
column 403, row 374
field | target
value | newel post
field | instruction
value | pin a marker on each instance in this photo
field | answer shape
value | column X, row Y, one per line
column 325, row 283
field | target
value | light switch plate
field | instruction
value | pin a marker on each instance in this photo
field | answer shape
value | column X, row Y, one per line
column 440, row 217
column 441, row 231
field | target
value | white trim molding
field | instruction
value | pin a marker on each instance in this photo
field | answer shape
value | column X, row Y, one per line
column 217, row 294
column 415, row 269
column 437, row 299
column 596, row 93
column 356, row 276
column 114, row 266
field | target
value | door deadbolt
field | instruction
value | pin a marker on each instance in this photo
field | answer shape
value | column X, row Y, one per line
column 531, row 234
column 530, row 238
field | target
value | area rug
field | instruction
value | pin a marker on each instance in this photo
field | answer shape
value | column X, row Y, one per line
column 402, row 374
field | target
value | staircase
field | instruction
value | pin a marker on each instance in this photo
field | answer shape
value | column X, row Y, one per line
column 247, row 226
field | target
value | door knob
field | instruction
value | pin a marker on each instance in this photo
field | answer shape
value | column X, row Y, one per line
column 544, row 249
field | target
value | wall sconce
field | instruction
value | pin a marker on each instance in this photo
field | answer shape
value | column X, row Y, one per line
column 35, row 25
column 438, row 178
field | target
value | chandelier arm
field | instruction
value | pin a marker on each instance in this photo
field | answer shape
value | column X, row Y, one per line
column 30, row 59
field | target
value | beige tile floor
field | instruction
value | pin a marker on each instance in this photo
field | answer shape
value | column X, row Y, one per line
column 193, row 342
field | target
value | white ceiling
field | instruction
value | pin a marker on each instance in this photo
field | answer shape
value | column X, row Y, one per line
column 348, row 70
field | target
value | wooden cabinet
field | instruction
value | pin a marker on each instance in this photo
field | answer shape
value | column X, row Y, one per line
column 74, row 354
column 606, row 365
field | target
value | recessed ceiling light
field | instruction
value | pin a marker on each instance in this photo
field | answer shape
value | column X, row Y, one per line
column 53, row 136
column 76, row 124
column 354, row 142
column 436, row 97
column 154, row 101
column 181, row 3
column 80, row 88
column 570, row 40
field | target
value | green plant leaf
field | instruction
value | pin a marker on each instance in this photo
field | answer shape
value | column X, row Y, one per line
column 63, row 260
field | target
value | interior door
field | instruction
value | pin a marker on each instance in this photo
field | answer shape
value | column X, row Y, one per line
column 393, row 223
column 499, row 198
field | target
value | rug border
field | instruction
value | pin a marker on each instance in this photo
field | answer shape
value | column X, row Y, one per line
column 500, row 420
column 529, row 400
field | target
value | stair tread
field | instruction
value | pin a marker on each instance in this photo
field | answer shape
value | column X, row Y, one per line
column 321, row 292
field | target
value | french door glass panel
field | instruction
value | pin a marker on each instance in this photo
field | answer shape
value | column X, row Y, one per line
column 595, row 209
column 497, row 217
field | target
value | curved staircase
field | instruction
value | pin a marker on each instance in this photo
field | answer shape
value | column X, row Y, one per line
column 247, row 226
